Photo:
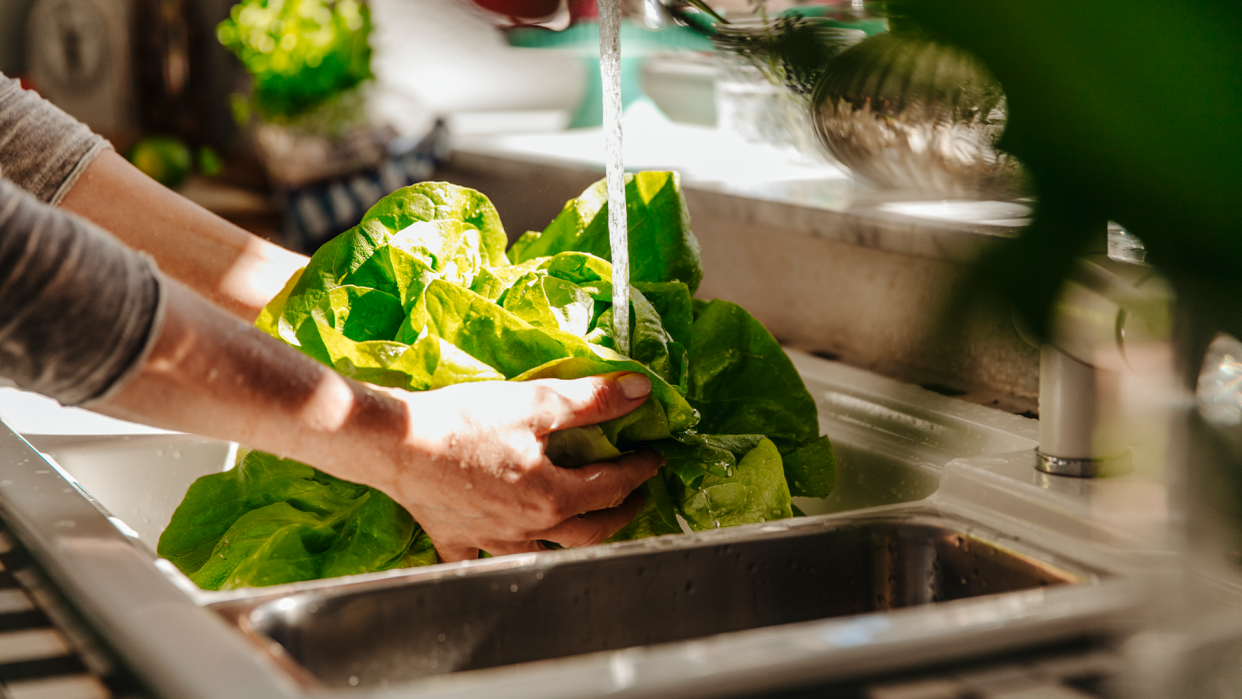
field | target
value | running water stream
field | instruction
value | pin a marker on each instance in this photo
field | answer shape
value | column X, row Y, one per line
column 618, row 232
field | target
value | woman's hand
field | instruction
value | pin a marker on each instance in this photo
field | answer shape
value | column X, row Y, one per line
column 467, row 461
column 474, row 474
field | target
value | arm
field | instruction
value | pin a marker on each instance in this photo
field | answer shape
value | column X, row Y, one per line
column 86, row 321
column 467, row 461
column 57, row 160
column 236, row 270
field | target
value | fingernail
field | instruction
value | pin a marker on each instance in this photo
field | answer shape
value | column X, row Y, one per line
column 634, row 386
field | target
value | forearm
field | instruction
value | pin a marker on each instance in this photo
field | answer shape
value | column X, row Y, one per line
column 213, row 375
column 236, row 270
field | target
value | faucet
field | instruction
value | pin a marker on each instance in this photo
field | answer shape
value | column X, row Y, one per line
column 1106, row 308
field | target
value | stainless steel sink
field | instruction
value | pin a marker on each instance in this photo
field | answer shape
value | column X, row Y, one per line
column 376, row 633
column 864, row 587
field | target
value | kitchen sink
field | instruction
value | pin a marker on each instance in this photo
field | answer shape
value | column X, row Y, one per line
column 569, row 603
column 892, row 571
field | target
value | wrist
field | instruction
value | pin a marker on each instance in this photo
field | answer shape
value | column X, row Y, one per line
column 365, row 436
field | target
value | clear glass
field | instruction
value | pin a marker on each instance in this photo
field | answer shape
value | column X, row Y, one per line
column 1124, row 245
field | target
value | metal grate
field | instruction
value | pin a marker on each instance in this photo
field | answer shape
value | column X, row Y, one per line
column 46, row 651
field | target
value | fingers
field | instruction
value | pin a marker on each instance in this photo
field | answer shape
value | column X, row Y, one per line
column 563, row 404
column 604, row 485
column 594, row 527
column 451, row 553
column 581, row 530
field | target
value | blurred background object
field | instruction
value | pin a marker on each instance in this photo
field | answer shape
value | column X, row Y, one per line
column 78, row 54
column 643, row 34
column 768, row 70
column 165, row 159
column 908, row 113
column 301, row 55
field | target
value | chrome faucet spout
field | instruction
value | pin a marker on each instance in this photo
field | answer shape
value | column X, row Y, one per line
column 1106, row 307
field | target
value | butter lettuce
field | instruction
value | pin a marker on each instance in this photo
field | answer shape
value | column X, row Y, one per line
column 421, row 294
column 662, row 248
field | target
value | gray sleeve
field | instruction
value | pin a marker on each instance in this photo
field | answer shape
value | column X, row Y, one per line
column 79, row 311
column 42, row 149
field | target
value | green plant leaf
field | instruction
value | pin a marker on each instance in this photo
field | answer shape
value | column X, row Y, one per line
column 755, row 492
column 742, row 382
column 272, row 520
column 656, row 517
column 662, row 248
column 811, row 471
column 419, row 296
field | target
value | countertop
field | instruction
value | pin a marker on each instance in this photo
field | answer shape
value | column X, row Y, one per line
column 761, row 183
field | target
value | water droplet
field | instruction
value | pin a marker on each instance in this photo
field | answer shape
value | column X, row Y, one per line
column 211, row 376
column 441, row 637
column 513, row 587
column 353, row 679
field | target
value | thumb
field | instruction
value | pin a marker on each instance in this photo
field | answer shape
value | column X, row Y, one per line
column 594, row 399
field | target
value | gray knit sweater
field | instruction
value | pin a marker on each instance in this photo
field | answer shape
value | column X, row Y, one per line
column 78, row 310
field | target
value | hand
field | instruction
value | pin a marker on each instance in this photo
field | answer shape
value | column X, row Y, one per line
column 467, row 460
column 473, row 472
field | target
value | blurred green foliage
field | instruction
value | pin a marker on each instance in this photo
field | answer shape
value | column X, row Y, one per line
column 1123, row 110
column 165, row 159
column 301, row 53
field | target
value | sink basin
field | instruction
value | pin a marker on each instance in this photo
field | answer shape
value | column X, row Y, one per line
column 892, row 439
column 569, row 603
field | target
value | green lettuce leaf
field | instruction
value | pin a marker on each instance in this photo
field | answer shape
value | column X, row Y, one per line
column 755, row 491
column 662, row 248
column 420, row 295
column 461, row 227
column 656, row 517
column 742, row 382
column 811, row 471
column 272, row 520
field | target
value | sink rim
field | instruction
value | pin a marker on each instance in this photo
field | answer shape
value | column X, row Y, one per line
column 226, row 602
column 938, row 631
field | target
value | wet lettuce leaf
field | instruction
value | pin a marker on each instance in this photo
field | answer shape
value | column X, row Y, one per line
column 742, row 382
column 662, row 248
column 421, row 295
column 272, row 520
column 753, row 491
column 657, row 516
